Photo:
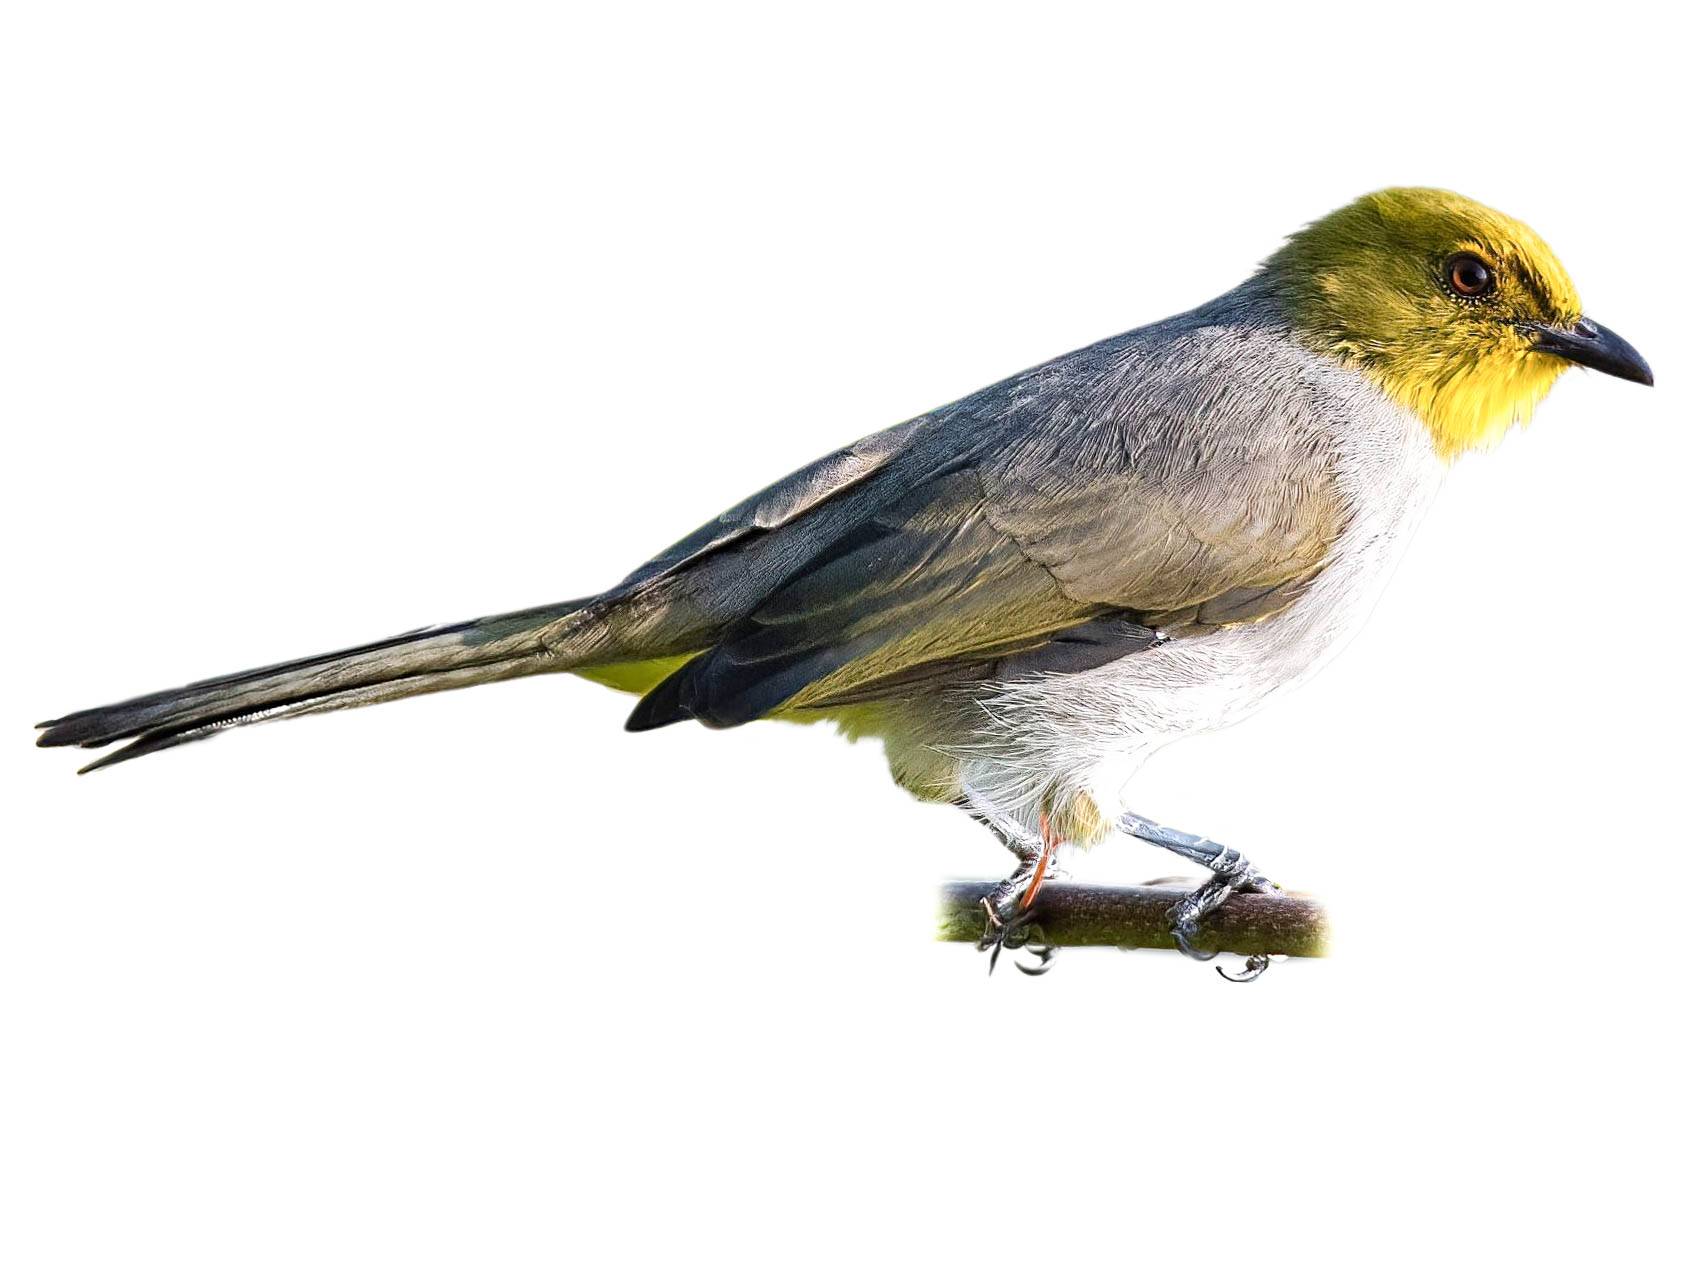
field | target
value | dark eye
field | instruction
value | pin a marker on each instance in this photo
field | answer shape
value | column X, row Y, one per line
column 1469, row 275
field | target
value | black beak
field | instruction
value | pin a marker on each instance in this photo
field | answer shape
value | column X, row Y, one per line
column 1588, row 343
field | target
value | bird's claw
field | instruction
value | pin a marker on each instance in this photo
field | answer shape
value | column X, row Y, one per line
column 1183, row 932
column 1044, row 954
column 1254, row 967
column 1012, row 932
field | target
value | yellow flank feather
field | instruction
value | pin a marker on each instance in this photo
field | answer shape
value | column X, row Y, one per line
column 635, row 677
column 1368, row 283
column 640, row 677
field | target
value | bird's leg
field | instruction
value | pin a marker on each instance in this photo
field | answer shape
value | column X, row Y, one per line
column 1006, row 909
column 1044, row 871
column 999, row 904
column 1046, row 863
column 1229, row 871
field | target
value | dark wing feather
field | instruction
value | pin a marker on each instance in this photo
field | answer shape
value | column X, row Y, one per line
column 924, row 580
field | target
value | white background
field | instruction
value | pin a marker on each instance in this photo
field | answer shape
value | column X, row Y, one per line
column 326, row 321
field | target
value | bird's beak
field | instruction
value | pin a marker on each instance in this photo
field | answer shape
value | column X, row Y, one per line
column 1588, row 343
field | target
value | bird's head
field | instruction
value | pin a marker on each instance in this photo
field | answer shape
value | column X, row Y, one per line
column 1459, row 312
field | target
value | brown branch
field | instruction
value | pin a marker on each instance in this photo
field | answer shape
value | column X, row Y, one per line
column 1071, row 914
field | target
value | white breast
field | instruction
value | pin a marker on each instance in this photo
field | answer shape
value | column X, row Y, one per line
column 1090, row 732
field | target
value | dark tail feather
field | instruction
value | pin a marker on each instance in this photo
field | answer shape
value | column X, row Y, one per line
column 426, row 661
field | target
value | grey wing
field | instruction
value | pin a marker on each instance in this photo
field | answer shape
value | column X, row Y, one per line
column 1115, row 507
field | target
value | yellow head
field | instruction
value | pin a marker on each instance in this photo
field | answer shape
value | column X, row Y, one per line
column 1459, row 312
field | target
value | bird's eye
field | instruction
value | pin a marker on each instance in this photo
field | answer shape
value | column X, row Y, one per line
column 1469, row 275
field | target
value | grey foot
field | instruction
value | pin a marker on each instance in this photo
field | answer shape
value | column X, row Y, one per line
column 1008, row 926
column 1229, row 872
column 1006, row 909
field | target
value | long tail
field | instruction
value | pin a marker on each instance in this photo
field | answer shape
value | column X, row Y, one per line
column 425, row 661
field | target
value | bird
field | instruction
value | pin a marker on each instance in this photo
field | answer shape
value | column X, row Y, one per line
column 1026, row 593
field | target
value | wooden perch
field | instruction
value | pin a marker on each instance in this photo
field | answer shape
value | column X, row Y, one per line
column 1071, row 914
